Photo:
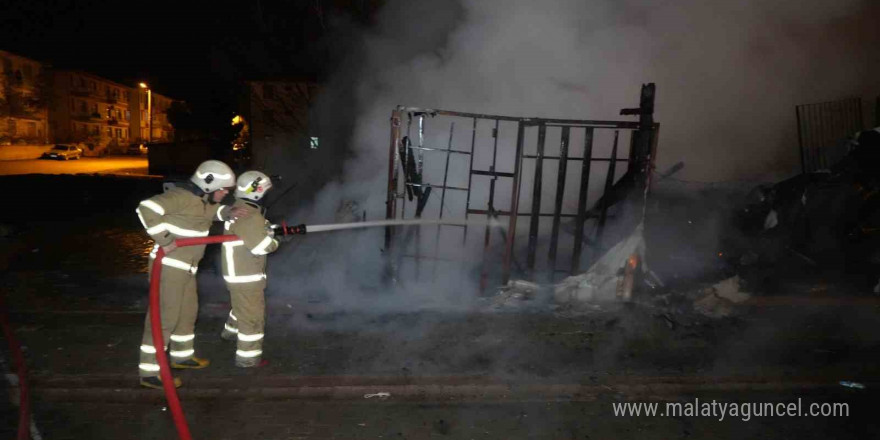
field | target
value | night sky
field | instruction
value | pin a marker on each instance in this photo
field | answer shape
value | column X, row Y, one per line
column 194, row 51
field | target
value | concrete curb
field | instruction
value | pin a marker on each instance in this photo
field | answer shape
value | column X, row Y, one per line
column 440, row 389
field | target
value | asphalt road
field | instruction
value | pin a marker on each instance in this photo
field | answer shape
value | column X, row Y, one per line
column 73, row 275
column 87, row 165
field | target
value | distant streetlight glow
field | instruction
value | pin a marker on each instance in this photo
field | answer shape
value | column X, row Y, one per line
column 236, row 120
column 149, row 111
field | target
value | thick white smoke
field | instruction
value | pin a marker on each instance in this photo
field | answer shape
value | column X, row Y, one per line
column 728, row 75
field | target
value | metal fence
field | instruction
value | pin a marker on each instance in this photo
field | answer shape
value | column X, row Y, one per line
column 823, row 131
column 481, row 171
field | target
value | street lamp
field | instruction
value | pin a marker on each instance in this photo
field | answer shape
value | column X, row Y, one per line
column 149, row 111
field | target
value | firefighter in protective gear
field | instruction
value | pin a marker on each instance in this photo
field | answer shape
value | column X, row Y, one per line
column 184, row 210
column 244, row 269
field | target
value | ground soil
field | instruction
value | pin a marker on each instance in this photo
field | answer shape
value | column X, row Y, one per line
column 77, row 293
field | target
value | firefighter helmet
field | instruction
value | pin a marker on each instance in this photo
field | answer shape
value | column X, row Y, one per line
column 252, row 185
column 212, row 175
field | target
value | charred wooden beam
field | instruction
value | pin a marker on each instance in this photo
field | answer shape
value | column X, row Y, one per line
column 582, row 201
column 609, row 184
column 560, row 193
column 536, row 199
column 514, row 205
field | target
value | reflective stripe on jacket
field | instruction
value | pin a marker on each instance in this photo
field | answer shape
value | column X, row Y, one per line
column 244, row 260
column 178, row 213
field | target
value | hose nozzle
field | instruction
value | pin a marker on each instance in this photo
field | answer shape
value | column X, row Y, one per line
column 283, row 229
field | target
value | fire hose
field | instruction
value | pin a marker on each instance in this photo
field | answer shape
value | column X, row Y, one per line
column 171, row 396
column 156, row 319
column 283, row 229
column 24, row 415
column 156, row 329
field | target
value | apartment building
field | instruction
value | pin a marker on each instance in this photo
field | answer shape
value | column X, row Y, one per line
column 91, row 110
column 295, row 134
column 150, row 112
column 24, row 100
column 280, row 120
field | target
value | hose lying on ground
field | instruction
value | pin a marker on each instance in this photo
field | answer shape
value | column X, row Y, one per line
column 24, row 404
column 156, row 329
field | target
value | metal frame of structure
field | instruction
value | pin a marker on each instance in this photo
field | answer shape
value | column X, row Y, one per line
column 822, row 125
column 406, row 159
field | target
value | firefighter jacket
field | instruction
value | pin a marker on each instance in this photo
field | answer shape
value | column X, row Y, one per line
column 244, row 260
column 179, row 213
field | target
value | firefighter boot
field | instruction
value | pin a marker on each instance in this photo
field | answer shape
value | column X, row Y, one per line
column 156, row 382
column 192, row 363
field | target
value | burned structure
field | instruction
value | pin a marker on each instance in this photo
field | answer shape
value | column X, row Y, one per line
column 824, row 130
column 566, row 172
column 828, row 215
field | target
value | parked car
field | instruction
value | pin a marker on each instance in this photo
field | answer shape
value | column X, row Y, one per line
column 63, row 152
column 136, row 149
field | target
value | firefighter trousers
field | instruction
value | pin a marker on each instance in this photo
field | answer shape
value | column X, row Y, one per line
column 179, row 306
column 247, row 321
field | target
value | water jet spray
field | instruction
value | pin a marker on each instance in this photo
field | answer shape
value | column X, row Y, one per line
column 283, row 229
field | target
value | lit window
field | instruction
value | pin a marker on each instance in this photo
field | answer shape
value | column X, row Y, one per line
column 313, row 143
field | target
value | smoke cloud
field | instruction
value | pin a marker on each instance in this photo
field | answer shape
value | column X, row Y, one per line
column 728, row 76
column 728, row 73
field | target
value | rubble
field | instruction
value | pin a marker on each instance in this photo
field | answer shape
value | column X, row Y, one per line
column 850, row 384
column 713, row 306
column 719, row 301
column 818, row 221
column 600, row 282
column 772, row 220
column 729, row 289
column 527, row 287
column 515, row 293
column 653, row 280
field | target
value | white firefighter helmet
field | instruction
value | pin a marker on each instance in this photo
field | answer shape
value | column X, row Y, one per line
column 252, row 185
column 212, row 175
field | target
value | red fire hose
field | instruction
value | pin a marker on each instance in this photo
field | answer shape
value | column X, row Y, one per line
column 158, row 342
column 24, row 414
